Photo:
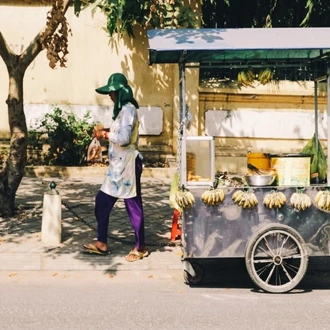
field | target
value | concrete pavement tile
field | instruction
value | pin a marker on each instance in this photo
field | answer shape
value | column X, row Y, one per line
column 21, row 247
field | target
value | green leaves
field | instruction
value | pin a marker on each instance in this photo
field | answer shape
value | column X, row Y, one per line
column 67, row 137
column 124, row 15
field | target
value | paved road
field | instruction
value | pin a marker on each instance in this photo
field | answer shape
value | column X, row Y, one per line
column 152, row 300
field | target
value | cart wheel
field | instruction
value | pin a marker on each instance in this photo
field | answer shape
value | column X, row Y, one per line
column 199, row 275
column 276, row 258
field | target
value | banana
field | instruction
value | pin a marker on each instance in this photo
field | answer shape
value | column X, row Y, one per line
column 191, row 198
column 213, row 196
column 246, row 77
column 178, row 198
column 184, row 198
column 271, row 203
column 236, row 193
column 204, row 196
column 281, row 197
column 255, row 200
column 265, row 76
column 307, row 201
column 246, row 199
column 220, row 194
column 327, row 204
column 266, row 199
column 237, row 196
column 246, row 203
column 300, row 201
column 239, row 77
column 274, row 199
column 322, row 201
column 250, row 74
column 318, row 196
column 294, row 199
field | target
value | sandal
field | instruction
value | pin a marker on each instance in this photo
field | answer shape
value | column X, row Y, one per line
column 91, row 248
column 135, row 255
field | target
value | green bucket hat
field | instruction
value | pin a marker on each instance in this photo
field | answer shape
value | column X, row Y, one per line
column 116, row 82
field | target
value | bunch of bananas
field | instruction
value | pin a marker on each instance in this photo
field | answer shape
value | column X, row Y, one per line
column 274, row 199
column 184, row 198
column 246, row 199
column 322, row 200
column 246, row 77
column 265, row 76
column 213, row 196
column 300, row 201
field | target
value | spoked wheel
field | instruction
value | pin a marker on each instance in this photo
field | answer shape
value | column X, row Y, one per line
column 197, row 278
column 276, row 258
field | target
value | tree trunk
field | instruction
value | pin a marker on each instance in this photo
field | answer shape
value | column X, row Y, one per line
column 12, row 172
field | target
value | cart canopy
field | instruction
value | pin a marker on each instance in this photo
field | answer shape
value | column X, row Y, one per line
column 249, row 45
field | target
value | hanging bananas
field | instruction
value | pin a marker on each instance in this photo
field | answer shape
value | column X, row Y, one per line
column 322, row 200
column 274, row 199
column 184, row 198
column 246, row 77
column 300, row 201
column 246, row 199
column 265, row 76
column 213, row 196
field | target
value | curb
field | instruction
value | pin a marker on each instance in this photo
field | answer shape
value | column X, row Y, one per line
column 77, row 261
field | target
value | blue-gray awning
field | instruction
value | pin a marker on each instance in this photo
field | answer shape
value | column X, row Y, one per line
column 238, row 45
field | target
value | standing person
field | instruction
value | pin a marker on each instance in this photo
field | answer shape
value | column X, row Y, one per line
column 123, row 178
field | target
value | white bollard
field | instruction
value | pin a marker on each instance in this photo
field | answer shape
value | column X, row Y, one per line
column 51, row 227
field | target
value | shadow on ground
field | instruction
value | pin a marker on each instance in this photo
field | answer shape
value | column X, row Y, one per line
column 78, row 221
column 231, row 273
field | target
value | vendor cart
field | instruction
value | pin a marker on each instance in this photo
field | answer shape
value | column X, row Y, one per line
column 276, row 239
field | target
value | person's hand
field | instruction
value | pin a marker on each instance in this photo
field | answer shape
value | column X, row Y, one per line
column 101, row 134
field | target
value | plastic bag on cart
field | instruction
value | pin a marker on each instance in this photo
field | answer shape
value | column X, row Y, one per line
column 174, row 189
column 319, row 160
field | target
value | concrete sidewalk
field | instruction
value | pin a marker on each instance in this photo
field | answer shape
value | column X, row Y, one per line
column 21, row 248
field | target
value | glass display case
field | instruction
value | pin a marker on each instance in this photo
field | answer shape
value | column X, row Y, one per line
column 199, row 161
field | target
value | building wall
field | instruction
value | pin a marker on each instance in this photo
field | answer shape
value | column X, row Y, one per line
column 276, row 118
column 94, row 56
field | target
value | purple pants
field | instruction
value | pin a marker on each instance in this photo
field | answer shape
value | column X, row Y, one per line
column 104, row 204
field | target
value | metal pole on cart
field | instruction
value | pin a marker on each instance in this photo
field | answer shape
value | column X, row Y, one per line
column 316, row 135
column 182, row 127
column 328, row 122
column 316, row 119
column 182, row 147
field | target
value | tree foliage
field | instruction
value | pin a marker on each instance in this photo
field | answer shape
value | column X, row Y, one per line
column 265, row 13
column 123, row 15
column 55, row 37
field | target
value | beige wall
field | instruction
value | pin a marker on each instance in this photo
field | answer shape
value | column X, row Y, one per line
column 93, row 57
column 289, row 110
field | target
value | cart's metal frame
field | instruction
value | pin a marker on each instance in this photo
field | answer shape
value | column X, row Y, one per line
column 242, row 48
